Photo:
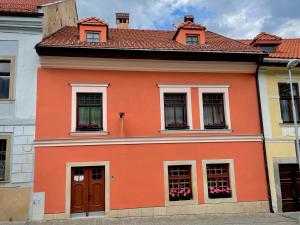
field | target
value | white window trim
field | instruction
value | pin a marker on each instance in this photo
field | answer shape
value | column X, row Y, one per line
column 193, row 165
column 89, row 88
column 231, row 178
column 215, row 89
column 188, row 105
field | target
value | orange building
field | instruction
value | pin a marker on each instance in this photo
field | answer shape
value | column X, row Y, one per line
column 147, row 122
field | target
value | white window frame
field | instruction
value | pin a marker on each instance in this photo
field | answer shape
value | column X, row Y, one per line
column 215, row 89
column 176, row 90
column 89, row 88
column 231, row 179
column 193, row 165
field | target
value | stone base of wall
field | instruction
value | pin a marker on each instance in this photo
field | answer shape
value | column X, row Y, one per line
column 14, row 204
column 219, row 208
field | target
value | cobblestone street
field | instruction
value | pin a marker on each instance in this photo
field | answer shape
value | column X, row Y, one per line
column 244, row 219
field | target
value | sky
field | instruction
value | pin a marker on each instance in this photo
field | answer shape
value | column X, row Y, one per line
column 231, row 18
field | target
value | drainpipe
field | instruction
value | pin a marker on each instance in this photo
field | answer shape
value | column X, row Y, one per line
column 262, row 130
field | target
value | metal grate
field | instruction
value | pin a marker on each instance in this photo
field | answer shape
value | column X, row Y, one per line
column 3, row 145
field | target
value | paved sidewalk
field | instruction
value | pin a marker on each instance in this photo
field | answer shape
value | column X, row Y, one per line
column 242, row 219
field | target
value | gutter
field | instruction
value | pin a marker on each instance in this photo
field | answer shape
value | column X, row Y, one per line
column 263, row 135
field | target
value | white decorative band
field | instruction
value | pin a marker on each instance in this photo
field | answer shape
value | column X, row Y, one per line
column 146, row 140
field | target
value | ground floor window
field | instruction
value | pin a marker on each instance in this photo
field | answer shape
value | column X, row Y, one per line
column 180, row 183
column 218, row 181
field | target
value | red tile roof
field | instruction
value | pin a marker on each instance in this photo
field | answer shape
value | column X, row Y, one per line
column 94, row 21
column 267, row 37
column 22, row 6
column 144, row 39
column 288, row 48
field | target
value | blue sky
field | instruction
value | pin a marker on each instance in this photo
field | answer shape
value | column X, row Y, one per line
column 232, row 18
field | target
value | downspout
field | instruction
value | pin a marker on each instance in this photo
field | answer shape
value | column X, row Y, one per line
column 262, row 130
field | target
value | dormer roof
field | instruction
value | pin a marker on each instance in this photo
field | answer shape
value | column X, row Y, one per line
column 191, row 25
column 92, row 21
column 265, row 38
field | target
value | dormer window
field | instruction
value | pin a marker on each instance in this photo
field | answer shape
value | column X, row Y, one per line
column 93, row 36
column 268, row 48
column 192, row 39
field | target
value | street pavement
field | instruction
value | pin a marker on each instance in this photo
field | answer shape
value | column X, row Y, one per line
column 236, row 219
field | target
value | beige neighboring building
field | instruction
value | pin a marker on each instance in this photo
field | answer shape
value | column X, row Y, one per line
column 276, row 105
column 23, row 24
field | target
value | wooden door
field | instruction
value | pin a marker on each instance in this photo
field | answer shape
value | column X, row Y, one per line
column 290, row 187
column 88, row 190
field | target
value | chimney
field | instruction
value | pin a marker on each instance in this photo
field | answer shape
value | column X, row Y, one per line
column 122, row 20
column 189, row 18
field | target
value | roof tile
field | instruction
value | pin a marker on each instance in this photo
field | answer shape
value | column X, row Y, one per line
column 22, row 6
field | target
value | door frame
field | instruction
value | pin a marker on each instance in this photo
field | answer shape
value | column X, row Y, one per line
column 69, row 166
column 276, row 162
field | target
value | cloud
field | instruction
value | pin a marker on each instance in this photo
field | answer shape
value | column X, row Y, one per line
column 233, row 18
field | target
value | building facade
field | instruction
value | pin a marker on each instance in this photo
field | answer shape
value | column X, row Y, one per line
column 278, row 119
column 143, row 123
column 22, row 26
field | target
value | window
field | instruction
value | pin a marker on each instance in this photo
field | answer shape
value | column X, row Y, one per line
column 180, row 183
column 286, row 102
column 192, row 39
column 175, row 111
column 93, row 36
column 218, row 181
column 4, row 159
column 5, row 79
column 213, row 107
column 89, row 108
column 268, row 48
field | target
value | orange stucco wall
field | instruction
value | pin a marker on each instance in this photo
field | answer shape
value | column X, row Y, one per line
column 181, row 36
column 137, row 94
column 138, row 171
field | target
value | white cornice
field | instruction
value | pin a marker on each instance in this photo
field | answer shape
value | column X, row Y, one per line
column 146, row 140
column 20, row 24
column 145, row 65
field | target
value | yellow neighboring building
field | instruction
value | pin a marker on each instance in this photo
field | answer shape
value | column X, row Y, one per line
column 284, row 176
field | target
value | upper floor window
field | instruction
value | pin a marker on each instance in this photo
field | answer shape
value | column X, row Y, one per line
column 268, row 48
column 192, row 39
column 286, row 102
column 5, row 79
column 93, row 36
column 175, row 110
column 89, row 107
column 4, row 159
column 214, row 114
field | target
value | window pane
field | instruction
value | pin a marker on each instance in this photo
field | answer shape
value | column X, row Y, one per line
column 2, row 158
column 218, row 181
column 96, row 116
column 4, row 87
column 175, row 111
column 213, row 107
column 93, row 37
column 83, row 116
column 4, row 68
column 180, row 183
column 192, row 39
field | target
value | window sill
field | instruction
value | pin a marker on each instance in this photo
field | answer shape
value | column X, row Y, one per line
column 288, row 124
column 7, row 101
column 91, row 133
column 220, row 200
column 180, row 203
column 196, row 131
